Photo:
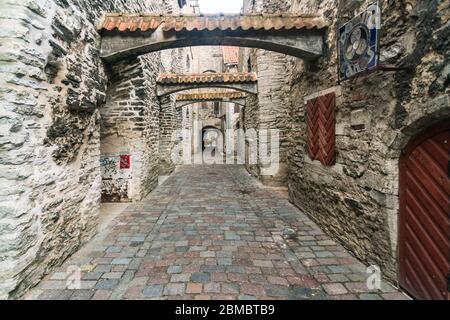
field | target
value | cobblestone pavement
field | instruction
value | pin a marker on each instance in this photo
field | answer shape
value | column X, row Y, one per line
column 212, row 232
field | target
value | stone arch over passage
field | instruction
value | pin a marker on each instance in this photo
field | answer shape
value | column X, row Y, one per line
column 185, row 104
column 183, row 100
column 130, row 35
column 172, row 83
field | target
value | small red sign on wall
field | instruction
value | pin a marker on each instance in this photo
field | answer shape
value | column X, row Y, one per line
column 125, row 162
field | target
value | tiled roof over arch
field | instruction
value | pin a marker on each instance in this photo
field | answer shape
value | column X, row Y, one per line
column 144, row 22
column 205, row 96
column 170, row 78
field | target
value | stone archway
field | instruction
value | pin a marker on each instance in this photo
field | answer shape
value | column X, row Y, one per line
column 127, row 35
column 238, row 98
column 245, row 82
column 212, row 143
column 182, row 104
column 209, row 136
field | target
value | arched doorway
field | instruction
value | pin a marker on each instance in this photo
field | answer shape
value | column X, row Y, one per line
column 212, row 144
column 424, row 239
column 210, row 137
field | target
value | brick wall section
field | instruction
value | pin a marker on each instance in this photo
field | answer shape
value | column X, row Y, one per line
column 356, row 200
column 53, row 84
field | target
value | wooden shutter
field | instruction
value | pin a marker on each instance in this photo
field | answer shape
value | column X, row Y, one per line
column 312, row 125
column 321, row 128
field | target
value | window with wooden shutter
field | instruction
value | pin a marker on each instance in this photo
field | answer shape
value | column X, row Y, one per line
column 321, row 126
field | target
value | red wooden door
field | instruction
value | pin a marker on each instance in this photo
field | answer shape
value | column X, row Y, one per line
column 424, row 223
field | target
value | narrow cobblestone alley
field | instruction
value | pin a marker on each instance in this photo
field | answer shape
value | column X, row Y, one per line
column 224, row 150
column 212, row 232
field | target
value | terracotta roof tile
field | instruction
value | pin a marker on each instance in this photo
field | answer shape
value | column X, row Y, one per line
column 132, row 22
column 202, row 96
column 171, row 78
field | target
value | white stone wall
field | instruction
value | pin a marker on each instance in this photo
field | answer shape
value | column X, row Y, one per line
column 52, row 85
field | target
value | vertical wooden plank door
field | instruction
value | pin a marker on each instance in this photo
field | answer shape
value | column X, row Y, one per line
column 424, row 223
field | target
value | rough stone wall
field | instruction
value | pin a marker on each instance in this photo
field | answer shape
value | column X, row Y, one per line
column 207, row 58
column 250, row 114
column 167, row 125
column 184, row 115
column 130, row 127
column 272, row 111
column 269, row 110
column 356, row 200
column 137, row 124
column 180, row 61
column 205, row 113
column 52, row 85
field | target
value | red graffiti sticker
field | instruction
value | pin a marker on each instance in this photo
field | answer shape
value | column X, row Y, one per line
column 125, row 161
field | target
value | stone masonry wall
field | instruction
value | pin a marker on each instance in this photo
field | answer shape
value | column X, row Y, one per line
column 178, row 61
column 207, row 58
column 52, row 85
column 183, row 116
column 130, row 127
column 249, row 116
column 136, row 123
column 356, row 200
column 269, row 110
column 167, row 124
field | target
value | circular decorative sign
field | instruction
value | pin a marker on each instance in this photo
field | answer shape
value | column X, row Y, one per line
column 358, row 43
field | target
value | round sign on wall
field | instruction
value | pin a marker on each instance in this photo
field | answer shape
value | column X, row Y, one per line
column 359, row 43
